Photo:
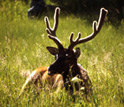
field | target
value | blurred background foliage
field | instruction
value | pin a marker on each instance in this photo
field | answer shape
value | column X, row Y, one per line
column 115, row 7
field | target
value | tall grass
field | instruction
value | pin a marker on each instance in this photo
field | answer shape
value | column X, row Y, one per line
column 23, row 47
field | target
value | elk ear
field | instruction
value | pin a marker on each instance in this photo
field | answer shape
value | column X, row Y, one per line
column 53, row 50
column 77, row 52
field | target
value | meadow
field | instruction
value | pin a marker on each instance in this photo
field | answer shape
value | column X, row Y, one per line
column 23, row 44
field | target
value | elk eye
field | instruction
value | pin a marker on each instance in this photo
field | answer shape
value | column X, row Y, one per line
column 66, row 54
column 56, row 56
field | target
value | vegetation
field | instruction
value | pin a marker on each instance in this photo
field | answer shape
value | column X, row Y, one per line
column 23, row 47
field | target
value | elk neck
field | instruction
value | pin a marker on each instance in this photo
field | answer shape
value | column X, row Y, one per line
column 73, row 71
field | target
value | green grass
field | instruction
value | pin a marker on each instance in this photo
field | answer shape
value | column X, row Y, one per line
column 23, row 47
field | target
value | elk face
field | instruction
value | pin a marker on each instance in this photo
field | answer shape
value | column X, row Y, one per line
column 64, row 59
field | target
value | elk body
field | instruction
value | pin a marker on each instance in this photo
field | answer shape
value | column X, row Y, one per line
column 65, row 67
column 40, row 76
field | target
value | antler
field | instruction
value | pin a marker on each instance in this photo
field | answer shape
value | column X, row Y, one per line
column 52, row 31
column 96, row 30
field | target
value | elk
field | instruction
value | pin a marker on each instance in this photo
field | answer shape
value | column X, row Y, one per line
column 65, row 68
column 66, row 58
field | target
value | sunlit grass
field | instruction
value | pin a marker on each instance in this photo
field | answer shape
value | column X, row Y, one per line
column 23, row 47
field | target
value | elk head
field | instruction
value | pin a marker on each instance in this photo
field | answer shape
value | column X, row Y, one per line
column 66, row 58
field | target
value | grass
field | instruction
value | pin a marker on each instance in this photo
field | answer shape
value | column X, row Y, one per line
column 23, row 47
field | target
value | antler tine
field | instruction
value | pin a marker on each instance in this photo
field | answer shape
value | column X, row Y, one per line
column 57, row 41
column 74, row 42
column 96, row 29
column 52, row 31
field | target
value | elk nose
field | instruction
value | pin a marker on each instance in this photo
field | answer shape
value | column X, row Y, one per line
column 48, row 72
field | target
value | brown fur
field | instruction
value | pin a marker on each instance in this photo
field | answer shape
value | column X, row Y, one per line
column 40, row 76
